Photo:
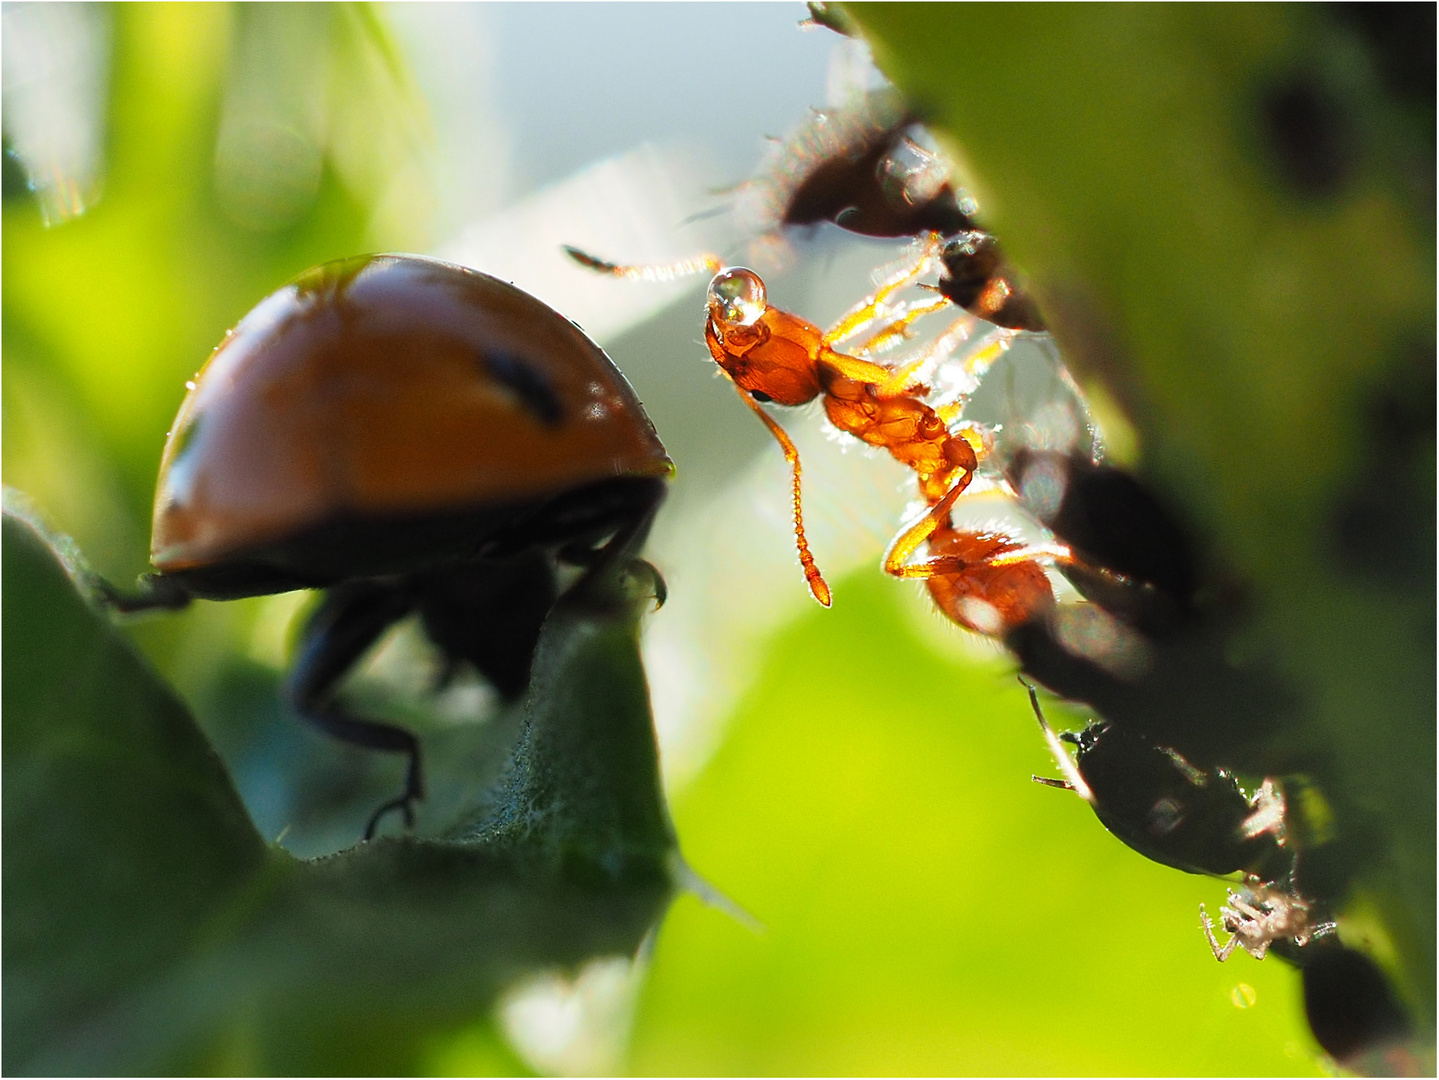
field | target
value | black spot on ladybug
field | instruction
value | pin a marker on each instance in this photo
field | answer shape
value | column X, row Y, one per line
column 529, row 383
column 1311, row 136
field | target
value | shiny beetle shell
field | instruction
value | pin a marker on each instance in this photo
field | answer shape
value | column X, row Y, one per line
column 389, row 386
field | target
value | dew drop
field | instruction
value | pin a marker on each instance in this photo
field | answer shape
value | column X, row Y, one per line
column 736, row 298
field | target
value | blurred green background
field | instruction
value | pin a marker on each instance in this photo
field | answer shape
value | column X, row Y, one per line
column 857, row 780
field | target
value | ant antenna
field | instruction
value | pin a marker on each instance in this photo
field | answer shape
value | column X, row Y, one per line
column 702, row 263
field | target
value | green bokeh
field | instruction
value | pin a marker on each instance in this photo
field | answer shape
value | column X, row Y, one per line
column 927, row 908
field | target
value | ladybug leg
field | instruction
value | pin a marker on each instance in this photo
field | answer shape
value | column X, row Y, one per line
column 643, row 568
column 489, row 615
column 621, row 548
column 351, row 619
column 156, row 592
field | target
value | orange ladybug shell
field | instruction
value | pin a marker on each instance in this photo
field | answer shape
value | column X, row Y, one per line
column 389, row 385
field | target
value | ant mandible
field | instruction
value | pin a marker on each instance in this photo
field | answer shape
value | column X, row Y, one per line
column 983, row 581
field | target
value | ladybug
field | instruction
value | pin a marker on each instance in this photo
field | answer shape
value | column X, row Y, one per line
column 412, row 437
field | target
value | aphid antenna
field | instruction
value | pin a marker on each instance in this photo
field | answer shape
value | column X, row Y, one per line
column 684, row 877
column 1066, row 764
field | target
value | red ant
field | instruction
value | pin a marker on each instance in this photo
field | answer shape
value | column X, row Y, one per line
column 983, row 581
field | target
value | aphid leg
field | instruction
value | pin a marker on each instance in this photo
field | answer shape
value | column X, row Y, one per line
column 1267, row 813
column 1240, row 910
column 1221, row 952
column 704, row 263
column 872, row 306
column 1049, row 781
column 1072, row 779
column 817, row 585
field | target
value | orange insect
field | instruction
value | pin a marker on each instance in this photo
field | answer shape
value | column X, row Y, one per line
column 984, row 582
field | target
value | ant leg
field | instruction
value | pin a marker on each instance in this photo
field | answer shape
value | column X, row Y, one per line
column 867, row 310
column 905, row 379
column 156, row 592
column 896, row 559
column 349, row 620
column 897, row 328
column 818, row 588
column 697, row 264
column 995, row 345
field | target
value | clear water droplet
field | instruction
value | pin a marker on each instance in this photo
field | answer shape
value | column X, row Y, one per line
column 736, row 298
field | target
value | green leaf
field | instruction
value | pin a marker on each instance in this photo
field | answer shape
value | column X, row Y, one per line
column 147, row 927
column 123, row 837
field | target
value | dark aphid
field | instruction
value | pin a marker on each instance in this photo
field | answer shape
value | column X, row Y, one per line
column 862, row 168
column 1165, row 808
column 1111, row 522
column 867, row 170
column 412, row 437
column 1351, row 1007
column 979, row 279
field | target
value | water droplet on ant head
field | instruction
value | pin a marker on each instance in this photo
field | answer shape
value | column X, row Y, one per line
column 736, row 298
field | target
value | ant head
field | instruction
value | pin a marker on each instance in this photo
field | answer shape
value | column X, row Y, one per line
column 736, row 299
